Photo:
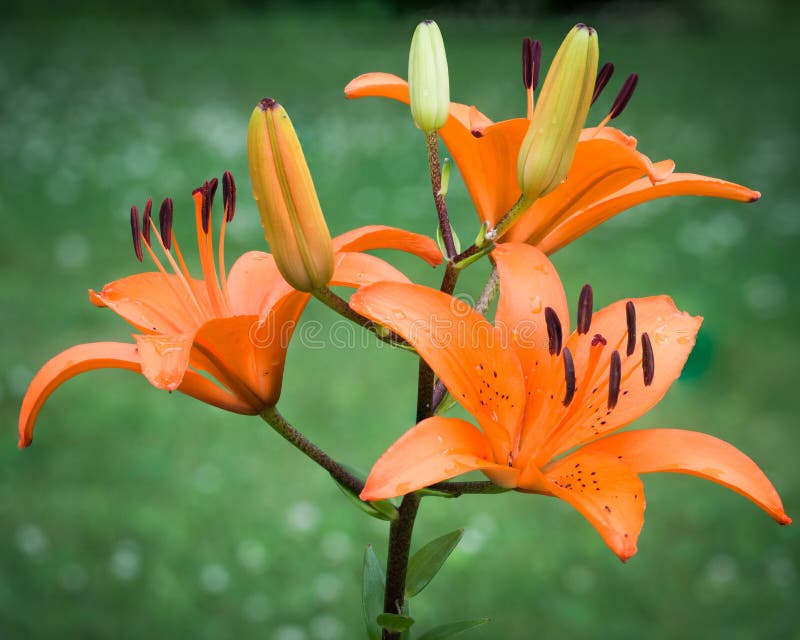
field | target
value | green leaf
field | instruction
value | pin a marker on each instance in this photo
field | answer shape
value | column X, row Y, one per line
column 394, row 622
column 452, row 629
column 380, row 509
column 426, row 562
column 434, row 492
column 372, row 596
column 440, row 241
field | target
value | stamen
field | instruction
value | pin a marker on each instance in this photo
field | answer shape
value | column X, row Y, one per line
column 148, row 207
column 599, row 339
column 614, row 379
column 585, row 304
column 554, row 334
column 165, row 222
column 527, row 62
column 212, row 191
column 603, row 76
column 630, row 316
column 624, row 96
column 137, row 240
column 648, row 360
column 536, row 55
column 205, row 209
column 228, row 195
column 569, row 377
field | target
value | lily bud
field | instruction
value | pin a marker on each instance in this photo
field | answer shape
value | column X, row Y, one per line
column 287, row 201
column 428, row 80
column 549, row 145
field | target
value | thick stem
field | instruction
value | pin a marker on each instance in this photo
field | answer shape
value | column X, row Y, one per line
column 432, row 140
column 424, row 391
column 449, row 279
column 299, row 441
column 397, row 560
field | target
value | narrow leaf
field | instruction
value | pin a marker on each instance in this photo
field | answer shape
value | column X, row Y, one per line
column 452, row 629
column 394, row 622
column 372, row 597
column 380, row 509
column 426, row 562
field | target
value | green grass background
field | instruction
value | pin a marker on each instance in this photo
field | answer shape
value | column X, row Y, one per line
column 142, row 514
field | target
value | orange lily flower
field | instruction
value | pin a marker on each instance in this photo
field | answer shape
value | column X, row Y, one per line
column 607, row 176
column 547, row 401
column 235, row 328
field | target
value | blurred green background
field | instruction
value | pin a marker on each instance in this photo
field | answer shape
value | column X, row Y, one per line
column 142, row 514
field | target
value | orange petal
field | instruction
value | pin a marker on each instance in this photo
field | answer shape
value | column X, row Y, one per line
column 697, row 454
column 605, row 491
column 461, row 346
column 672, row 335
column 154, row 302
column 164, row 359
column 436, row 449
column 639, row 191
column 384, row 85
column 382, row 237
column 488, row 163
column 529, row 284
column 602, row 166
column 486, row 159
column 360, row 269
column 249, row 353
column 67, row 364
column 254, row 283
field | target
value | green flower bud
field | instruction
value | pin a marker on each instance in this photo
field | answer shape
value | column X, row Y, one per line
column 549, row 145
column 428, row 80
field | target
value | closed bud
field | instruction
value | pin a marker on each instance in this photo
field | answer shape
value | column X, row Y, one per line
column 428, row 80
column 549, row 145
column 287, row 201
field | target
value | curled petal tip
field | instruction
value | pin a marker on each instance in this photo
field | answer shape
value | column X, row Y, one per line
column 755, row 195
column 25, row 442
column 783, row 520
column 267, row 103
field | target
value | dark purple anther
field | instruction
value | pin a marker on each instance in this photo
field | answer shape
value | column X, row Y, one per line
column 630, row 317
column 228, row 195
column 148, row 209
column 614, row 379
column 648, row 360
column 137, row 239
column 603, row 76
column 165, row 222
column 624, row 95
column 569, row 377
column 585, row 304
column 554, row 334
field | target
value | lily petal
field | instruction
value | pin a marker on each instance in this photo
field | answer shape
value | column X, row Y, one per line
column 697, row 454
column 66, row 365
column 602, row 488
column 601, row 167
column 461, row 346
column 360, row 269
column 639, row 191
column 254, row 283
column 164, row 359
column 672, row 335
column 383, row 237
column 155, row 302
column 529, row 284
column 485, row 153
column 434, row 450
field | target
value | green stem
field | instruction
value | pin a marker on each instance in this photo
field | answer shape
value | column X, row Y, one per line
column 272, row 416
column 509, row 219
